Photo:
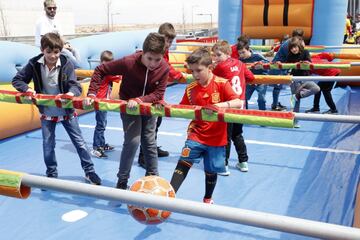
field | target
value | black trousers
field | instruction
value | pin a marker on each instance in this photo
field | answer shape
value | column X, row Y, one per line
column 325, row 88
column 235, row 131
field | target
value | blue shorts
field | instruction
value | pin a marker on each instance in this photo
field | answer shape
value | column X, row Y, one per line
column 214, row 157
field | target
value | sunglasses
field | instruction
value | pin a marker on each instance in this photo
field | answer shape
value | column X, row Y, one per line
column 51, row 8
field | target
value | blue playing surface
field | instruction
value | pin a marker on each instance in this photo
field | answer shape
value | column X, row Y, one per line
column 311, row 172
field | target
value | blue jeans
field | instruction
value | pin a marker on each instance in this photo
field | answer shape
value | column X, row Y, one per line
column 303, row 89
column 136, row 129
column 99, row 132
column 277, row 87
column 261, row 90
column 72, row 128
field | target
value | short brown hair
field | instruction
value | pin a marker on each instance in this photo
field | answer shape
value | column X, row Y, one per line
column 243, row 39
column 168, row 30
column 242, row 45
column 200, row 56
column 106, row 56
column 155, row 43
column 296, row 42
column 51, row 40
column 223, row 46
column 298, row 32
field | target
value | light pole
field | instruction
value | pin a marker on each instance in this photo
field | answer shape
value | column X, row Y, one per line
column 207, row 14
column 192, row 16
column 112, row 20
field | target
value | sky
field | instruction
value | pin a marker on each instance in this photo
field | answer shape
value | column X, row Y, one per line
column 145, row 11
column 128, row 11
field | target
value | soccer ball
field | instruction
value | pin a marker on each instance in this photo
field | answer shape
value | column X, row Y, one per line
column 154, row 185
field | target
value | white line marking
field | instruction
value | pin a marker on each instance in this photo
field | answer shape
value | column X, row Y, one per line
column 74, row 215
column 121, row 129
column 254, row 142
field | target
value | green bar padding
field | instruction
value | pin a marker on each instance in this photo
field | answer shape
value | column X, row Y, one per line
column 10, row 180
column 263, row 121
column 182, row 113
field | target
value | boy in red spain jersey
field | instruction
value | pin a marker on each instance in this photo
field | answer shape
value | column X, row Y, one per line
column 205, row 140
column 237, row 74
column 99, row 144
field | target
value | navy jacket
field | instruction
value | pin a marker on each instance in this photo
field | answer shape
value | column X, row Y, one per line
column 66, row 81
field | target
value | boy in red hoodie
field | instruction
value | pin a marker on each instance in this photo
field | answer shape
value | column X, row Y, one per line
column 144, row 78
column 99, row 144
column 325, row 87
column 236, row 72
column 168, row 31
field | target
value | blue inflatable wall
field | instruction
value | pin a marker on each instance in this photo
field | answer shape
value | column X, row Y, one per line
column 14, row 55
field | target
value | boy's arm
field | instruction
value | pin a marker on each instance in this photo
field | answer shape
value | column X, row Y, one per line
column 116, row 67
column 23, row 78
column 174, row 74
column 249, row 76
column 185, row 99
column 307, row 56
column 231, row 99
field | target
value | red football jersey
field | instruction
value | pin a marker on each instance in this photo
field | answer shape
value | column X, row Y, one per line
column 218, row 90
column 106, row 86
column 324, row 58
column 237, row 73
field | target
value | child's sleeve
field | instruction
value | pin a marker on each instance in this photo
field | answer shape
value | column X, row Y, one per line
column 229, row 93
column 185, row 98
column 174, row 74
column 116, row 67
column 23, row 78
column 326, row 56
column 249, row 76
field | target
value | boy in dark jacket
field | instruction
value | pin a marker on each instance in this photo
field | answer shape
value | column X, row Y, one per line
column 144, row 79
column 54, row 74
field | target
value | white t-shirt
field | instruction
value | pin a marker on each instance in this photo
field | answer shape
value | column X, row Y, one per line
column 45, row 25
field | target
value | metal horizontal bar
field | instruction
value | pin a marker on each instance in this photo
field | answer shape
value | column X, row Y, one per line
column 327, row 118
column 355, row 64
column 327, row 78
column 218, row 212
column 93, row 60
column 342, row 47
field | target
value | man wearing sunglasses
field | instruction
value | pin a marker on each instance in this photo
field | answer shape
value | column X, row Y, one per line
column 47, row 23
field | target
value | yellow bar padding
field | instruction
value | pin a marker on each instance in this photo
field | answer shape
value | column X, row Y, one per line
column 10, row 185
column 83, row 73
column 271, row 79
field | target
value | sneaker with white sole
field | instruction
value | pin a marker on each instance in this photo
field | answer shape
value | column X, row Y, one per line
column 98, row 153
column 108, row 148
column 242, row 166
column 226, row 173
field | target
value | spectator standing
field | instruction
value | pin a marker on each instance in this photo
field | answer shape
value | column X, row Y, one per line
column 48, row 22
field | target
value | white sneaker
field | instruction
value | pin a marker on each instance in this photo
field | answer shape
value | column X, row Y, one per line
column 97, row 154
column 226, row 173
column 243, row 166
